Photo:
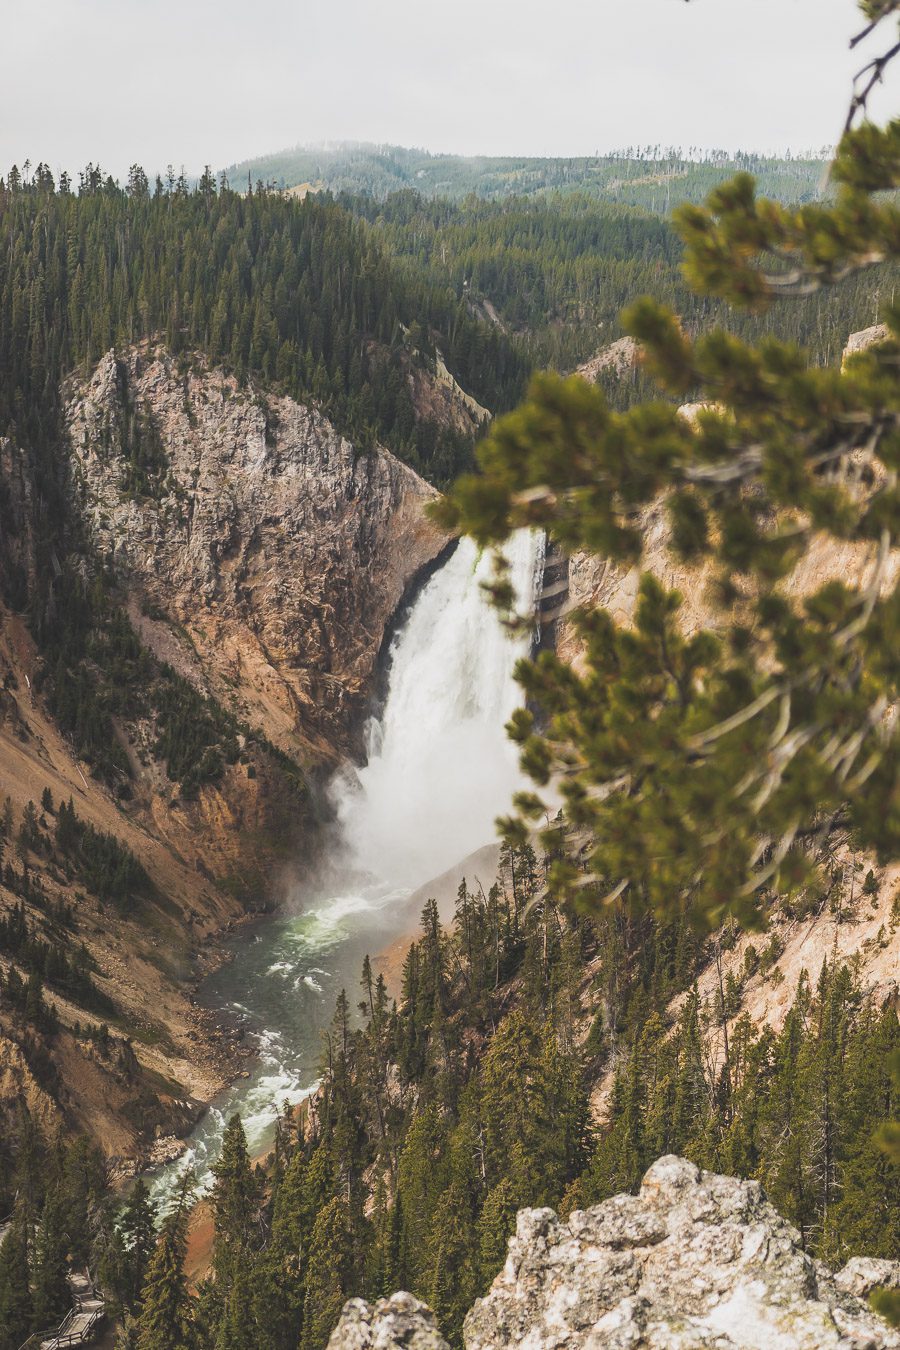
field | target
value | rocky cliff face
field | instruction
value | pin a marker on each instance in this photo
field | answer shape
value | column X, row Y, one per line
column 263, row 553
column 262, row 557
column 695, row 1261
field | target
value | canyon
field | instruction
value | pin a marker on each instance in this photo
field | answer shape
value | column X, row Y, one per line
column 268, row 563
column 449, row 682
column 264, row 567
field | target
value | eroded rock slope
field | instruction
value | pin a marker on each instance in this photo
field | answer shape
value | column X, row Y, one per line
column 264, row 553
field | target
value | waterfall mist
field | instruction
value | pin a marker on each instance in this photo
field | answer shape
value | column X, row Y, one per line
column 440, row 767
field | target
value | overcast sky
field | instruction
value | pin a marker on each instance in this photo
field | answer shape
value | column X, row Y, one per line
column 197, row 81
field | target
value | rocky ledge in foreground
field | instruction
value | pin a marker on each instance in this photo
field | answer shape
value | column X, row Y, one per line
column 695, row 1261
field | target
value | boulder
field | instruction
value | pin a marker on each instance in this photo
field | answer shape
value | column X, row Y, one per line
column 695, row 1261
column 398, row 1321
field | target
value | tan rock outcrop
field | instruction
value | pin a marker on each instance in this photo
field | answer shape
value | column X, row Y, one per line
column 866, row 337
column 268, row 555
column 695, row 1261
column 616, row 358
column 400, row 1320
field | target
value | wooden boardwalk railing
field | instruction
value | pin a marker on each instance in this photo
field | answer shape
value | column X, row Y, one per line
column 80, row 1322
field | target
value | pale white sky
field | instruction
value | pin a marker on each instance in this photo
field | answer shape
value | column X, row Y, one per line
column 195, row 81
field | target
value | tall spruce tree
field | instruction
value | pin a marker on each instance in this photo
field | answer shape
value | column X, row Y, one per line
column 887, row 1301
column 15, row 1287
column 166, row 1317
column 138, row 1232
column 330, row 1274
column 235, row 1202
column 50, row 1260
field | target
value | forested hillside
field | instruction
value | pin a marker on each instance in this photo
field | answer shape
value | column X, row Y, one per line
column 555, row 272
column 298, row 294
column 652, row 176
column 440, row 1116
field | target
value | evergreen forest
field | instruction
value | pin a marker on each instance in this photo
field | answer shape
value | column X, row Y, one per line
column 441, row 1114
column 656, row 178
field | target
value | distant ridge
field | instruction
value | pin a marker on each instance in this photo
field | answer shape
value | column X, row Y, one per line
column 654, row 178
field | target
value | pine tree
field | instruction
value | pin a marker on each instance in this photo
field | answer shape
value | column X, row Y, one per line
column 510, row 1105
column 496, row 1224
column 15, row 1290
column 422, row 1175
column 865, row 1220
column 452, row 1258
column 382, row 1270
column 50, row 1261
column 690, row 1097
column 234, row 1201
column 784, row 1170
column 279, row 1270
column 138, row 1230
column 887, row 1301
column 166, row 1317
column 330, row 1274
column 238, row 1328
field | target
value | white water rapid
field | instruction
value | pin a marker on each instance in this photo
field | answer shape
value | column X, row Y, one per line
column 439, row 771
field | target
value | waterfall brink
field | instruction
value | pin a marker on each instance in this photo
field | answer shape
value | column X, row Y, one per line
column 440, row 767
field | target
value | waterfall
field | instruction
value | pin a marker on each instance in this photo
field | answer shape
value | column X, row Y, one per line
column 440, row 767
column 439, row 770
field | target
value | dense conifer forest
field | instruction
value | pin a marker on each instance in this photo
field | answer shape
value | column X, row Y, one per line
column 439, row 1116
column 316, row 296
column 555, row 272
column 297, row 294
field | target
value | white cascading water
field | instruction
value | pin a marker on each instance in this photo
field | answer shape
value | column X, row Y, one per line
column 440, row 769
column 440, row 766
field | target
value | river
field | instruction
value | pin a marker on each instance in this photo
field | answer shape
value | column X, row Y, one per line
column 439, row 769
